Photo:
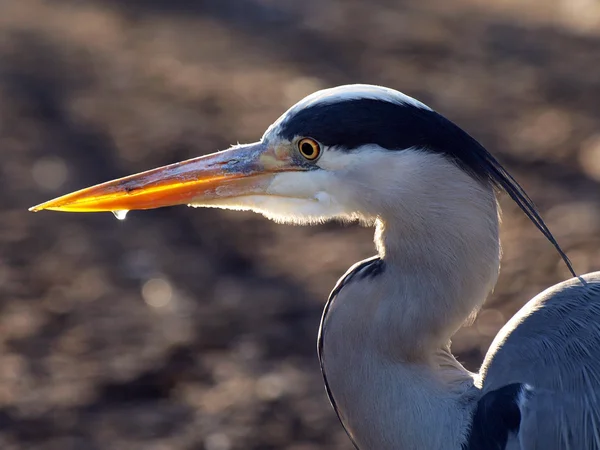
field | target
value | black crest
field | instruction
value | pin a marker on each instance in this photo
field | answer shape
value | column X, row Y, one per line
column 348, row 124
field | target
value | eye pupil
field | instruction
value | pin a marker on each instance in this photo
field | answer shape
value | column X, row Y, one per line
column 308, row 149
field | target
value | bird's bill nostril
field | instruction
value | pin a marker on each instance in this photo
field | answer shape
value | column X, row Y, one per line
column 243, row 170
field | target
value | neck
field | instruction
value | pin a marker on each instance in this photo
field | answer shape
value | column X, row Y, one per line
column 386, row 340
column 443, row 271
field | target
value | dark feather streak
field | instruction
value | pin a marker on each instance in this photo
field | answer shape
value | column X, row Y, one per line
column 496, row 416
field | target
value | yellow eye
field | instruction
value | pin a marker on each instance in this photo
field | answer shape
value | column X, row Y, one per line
column 309, row 148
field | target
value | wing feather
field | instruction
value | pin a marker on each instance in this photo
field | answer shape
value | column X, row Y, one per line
column 553, row 345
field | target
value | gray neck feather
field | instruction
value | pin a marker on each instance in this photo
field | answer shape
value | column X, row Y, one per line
column 386, row 338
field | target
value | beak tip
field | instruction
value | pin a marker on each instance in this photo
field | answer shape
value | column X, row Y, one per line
column 41, row 207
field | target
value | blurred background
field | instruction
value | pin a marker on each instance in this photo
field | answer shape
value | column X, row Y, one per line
column 195, row 329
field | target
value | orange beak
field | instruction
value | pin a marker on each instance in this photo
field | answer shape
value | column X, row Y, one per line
column 240, row 171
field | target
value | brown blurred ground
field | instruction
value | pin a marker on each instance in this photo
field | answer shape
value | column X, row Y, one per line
column 195, row 329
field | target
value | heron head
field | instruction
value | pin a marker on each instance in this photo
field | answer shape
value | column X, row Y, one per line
column 346, row 152
column 350, row 152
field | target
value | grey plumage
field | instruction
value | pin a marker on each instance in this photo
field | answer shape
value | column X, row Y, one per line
column 547, row 358
column 553, row 345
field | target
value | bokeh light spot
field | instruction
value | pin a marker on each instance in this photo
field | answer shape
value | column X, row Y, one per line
column 270, row 387
column 50, row 173
column 217, row 441
column 157, row 292
column 589, row 157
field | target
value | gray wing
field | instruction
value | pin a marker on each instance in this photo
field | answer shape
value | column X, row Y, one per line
column 551, row 348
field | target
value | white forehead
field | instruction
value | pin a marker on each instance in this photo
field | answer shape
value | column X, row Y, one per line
column 354, row 92
column 345, row 93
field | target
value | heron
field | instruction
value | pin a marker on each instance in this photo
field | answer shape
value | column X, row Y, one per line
column 374, row 155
